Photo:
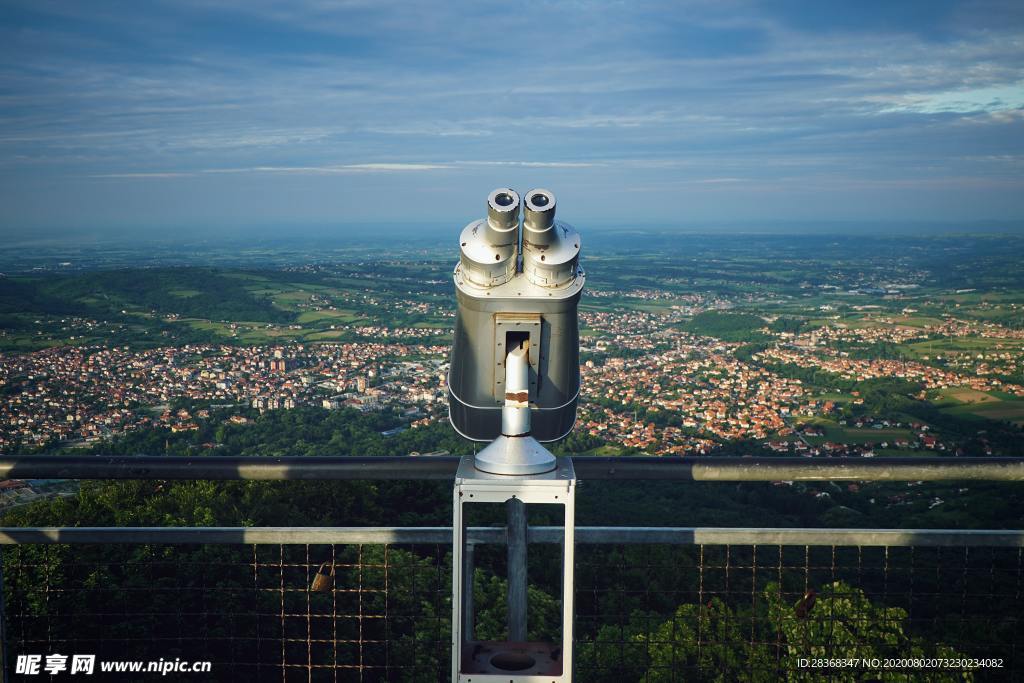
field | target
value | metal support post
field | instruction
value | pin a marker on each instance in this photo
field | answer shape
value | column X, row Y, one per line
column 469, row 569
column 516, row 519
column 5, row 663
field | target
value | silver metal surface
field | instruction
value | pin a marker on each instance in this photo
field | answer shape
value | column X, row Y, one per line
column 444, row 467
column 524, row 329
column 515, row 414
column 503, row 210
column 498, row 304
column 473, row 486
column 597, row 535
column 515, row 451
column 489, row 248
column 802, row 469
column 516, row 456
column 561, row 476
column 468, row 572
column 551, row 249
column 554, row 263
column 539, row 212
column 488, row 256
column 515, row 527
column 473, row 380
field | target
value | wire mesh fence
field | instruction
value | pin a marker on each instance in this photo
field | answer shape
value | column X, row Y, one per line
column 250, row 611
column 665, row 613
column 645, row 611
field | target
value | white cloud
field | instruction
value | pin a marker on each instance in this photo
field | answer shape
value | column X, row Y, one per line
column 331, row 169
column 395, row 167
column 371, row 167
column 997, row 98
column 532, row 164
column 168, row 174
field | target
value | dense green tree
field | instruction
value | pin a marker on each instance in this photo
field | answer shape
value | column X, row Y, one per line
column 765, row 642
column 727, row 326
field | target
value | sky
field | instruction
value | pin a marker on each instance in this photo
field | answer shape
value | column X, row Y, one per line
column 183, row 116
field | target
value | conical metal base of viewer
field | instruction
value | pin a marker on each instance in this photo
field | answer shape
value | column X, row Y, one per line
column 515, row 455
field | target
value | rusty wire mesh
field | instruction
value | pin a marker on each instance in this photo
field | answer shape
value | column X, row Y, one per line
column 644, row 612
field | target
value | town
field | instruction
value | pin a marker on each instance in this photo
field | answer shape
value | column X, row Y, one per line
column 647, row 386
column 812, row 357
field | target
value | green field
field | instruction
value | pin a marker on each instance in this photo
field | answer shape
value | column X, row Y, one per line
column 1011, row 411
column 328, row 316
column 19, row 342
column 834, row 397
column 960, row 395
column 841, row 434
column 327, row 335
column 960, row 345
column 964, row 402
column 916, row 321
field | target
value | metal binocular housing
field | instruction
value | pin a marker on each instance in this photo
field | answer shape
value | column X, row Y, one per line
column 518, row 285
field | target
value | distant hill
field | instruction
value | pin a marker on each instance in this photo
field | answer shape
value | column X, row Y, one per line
column 188, row 292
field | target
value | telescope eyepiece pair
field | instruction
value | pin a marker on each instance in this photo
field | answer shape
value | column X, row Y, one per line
column 519, row 236
column 503, row 207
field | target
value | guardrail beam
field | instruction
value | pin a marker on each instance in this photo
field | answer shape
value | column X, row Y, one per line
column 1012, row 538
column 430, row 467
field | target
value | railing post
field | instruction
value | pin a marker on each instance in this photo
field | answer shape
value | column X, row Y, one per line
column 4, row 663
column 515, row 511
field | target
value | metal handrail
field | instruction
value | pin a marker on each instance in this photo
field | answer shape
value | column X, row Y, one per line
column 431, row 467
column 1010, row 538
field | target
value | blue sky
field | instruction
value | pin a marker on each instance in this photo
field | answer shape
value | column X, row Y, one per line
column 197, row 115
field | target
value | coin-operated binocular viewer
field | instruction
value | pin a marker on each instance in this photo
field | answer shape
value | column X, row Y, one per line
column 515, row 382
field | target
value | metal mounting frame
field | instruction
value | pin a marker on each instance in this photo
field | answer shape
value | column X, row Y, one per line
column 471, row 659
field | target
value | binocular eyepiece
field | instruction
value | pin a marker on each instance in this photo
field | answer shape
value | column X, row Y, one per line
column 518, row 284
